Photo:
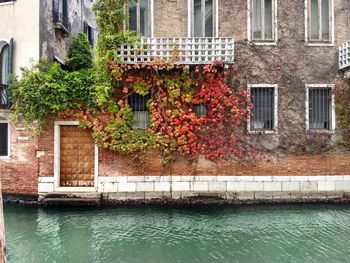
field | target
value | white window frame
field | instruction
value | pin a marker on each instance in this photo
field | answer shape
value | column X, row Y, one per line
column 190, row 20
column 274, row 30
column 275, row 115
column 333, row 120
column 307, row 28
column 150, row 13
column 8, row 156
column 57, row 137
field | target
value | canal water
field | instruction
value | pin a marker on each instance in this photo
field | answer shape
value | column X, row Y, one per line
column 282, row 233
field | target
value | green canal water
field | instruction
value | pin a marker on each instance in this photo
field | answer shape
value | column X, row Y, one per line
column 290, row 233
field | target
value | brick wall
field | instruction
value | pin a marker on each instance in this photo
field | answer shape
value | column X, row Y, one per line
column 19, row 173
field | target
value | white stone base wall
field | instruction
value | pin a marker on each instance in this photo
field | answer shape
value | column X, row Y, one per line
column 213, row 184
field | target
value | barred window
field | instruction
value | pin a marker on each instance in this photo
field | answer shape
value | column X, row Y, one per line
column 263, row 20
column 320, row 108
column 4, row 127
column 263, row 112
column 139, row 107
column 201, row 109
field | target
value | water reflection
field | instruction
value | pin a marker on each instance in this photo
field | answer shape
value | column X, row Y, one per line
column 316, row 233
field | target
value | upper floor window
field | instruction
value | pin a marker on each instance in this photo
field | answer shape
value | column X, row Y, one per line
column 319, row 21
column 90, row 33
column 264, row 112
column 60, row 14
column 203, row 18
column 139, row 13
column 5, row 71
column 4, row 138
column 139, row 107
column 262, row 20
column 320, row 113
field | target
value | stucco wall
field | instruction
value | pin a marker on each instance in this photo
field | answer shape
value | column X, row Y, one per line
column 20, row 20
column 54, row 41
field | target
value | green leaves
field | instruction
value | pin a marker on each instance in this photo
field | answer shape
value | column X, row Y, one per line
column 45, row 90
column 79, row 55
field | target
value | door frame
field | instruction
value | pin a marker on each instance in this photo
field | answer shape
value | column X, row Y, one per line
column 57, row 157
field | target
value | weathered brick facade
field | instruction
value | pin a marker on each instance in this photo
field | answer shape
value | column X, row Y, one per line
column 290, row 63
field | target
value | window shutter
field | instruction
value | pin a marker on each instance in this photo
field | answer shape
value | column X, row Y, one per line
column 56, row 8
column 10, row 56
column 65, row 14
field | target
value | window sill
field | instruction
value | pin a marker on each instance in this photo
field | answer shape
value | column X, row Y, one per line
column 262, row 43
column 268, row 132
column 5, row 157
column 7, row 3
column 319, row 44
column 60, row 26
column 321, row 131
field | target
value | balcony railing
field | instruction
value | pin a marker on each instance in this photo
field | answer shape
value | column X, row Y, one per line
column 4, row 98
column 195, row 50
column 344, row 55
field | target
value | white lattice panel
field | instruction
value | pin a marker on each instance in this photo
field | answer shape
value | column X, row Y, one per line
column 201, row 50
column 344, row 55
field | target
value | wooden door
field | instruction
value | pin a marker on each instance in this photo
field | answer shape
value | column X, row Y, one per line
column 77, row 151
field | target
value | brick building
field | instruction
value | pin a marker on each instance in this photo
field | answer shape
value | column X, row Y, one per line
column 288, row 53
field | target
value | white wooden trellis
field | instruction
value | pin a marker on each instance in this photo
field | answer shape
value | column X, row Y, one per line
column 194, row 50
column 344, row 55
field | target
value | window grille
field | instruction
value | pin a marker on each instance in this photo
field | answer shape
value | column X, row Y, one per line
column 262, row 19
column 320, row 108
column 139, row 107
column 201, row 109
column 263, row 113
column 3, row 139
column 320, row 20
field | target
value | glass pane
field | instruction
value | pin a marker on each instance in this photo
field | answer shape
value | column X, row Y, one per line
column 197, row 18
column 268, row 19
column 325, row 19
column 209, row 18
column 132, row 17
column 3, row 139
column 314, row 19
column 144, row 17
column 4, row 65
column 256, row 10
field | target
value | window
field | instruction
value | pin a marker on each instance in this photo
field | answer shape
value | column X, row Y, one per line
column 201, row 109
column 60, row 14
column 203, row 22
column 320, row 113
column 5, row 70
column 319, row 21
column 138, row 17
column 264, row 112
column 262, row 16
column 6, row 1
column 4, row 139
column 139, row 107
column 90, row 33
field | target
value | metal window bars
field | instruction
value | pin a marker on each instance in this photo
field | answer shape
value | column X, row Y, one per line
column 195, row 50
column 320, row 108
column 139, row 107
column 344, row 55
column 201, row 109
column 263, row 108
